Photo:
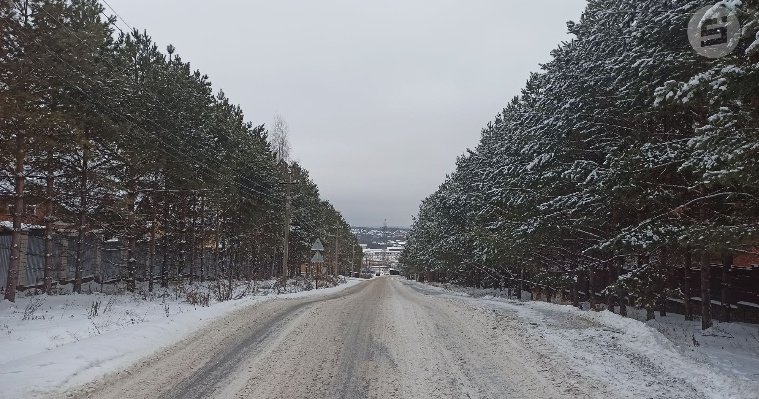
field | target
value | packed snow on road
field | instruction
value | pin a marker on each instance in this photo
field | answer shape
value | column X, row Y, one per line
column 387, row 337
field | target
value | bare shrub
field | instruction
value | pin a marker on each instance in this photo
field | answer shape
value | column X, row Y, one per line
column 223, row 290
column 196, row 298
column 331, row 281
column 248, row 289
column 307, row 284
column 109, row 305
column 280, row 285
column 193, row 295
column 94, row 309
column 32, row 307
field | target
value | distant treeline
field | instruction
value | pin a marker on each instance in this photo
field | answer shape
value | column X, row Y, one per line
column 103, row 132
column 629, row 156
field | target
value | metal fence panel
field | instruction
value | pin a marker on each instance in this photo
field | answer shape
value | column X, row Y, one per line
column 89, row 256
column 34, row 272
column 70, row 266
column 112, row 259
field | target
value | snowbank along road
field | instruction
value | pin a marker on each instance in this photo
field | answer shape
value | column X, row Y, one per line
column 385, row 338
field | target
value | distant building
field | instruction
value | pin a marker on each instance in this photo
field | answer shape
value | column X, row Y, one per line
column 382, row 257
column 33, row 213
column 395, row 250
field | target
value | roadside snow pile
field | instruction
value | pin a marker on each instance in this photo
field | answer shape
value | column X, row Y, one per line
column 628, row 352
column 50, row 341
column 636, row 358
column 473, row 292
column 731, row 347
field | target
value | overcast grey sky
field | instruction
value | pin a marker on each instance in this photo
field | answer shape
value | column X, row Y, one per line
column 381, row 96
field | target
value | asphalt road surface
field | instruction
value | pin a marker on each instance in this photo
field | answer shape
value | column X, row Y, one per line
column 380, row 339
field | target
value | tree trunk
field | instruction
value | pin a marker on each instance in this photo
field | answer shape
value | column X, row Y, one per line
column 727, row 264
column 230, row 262
column 688, row 263
column 611, row 299
column 623, row 305
column 193, row 220
column 82, row 228
column 652, row 296
column 131, row 198
column 621, row 294
column 273, row 262
column 664, row 283
column 591, row 288
column 650, row 314
column 706, row 292
column 202, row 238
column 49, row 193
column 18, row 212
column 575, row 288
column 165, row 242
column 520, row 287
column 183, row 237
column 151, row 254
column 650, row 300
column 254, row 258
column 217, row 243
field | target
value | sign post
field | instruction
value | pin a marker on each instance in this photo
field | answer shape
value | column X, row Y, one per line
column 317, row 260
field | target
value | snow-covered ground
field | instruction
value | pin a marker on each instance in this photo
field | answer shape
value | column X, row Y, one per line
column 722, row 361
column 57, row 341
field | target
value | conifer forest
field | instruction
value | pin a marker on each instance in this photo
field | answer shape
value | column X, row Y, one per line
column 395, row 199
column 104, row 134
column 627, row 163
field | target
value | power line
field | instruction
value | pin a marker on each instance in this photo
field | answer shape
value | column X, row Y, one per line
column 117, row 15
column 121, row 71
column 148, row 119
column 162, row 149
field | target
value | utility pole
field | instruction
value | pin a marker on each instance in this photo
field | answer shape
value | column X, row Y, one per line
column 337, row 238
column 384, row 242
column 334, row 259
column 288, row 200
column 353, row 256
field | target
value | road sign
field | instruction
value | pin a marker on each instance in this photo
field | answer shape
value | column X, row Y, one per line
column 317, row 258
column 317, row 246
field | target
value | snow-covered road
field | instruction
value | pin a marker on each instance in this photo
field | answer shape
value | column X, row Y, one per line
column 388, row 338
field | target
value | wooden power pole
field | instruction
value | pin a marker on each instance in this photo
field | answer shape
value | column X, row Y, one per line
column 334, row 259
column 337, row 238
column 288, row 200
column 353, row 256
